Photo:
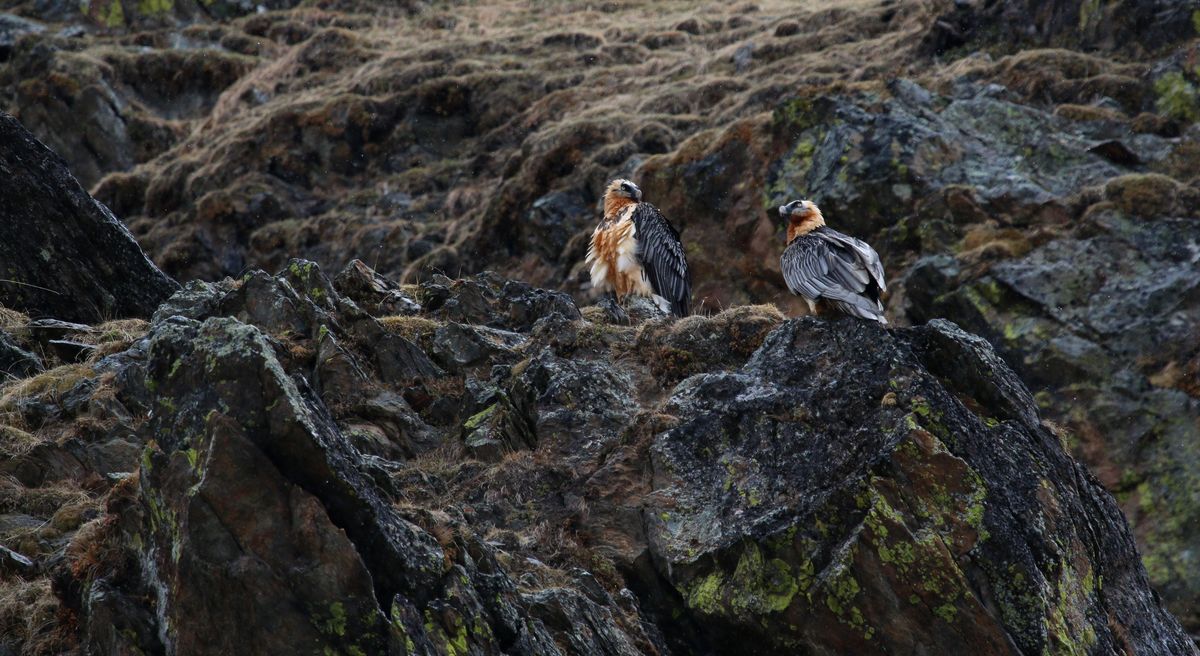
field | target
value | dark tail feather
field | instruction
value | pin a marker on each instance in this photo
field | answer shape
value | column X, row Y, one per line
column 680, row 307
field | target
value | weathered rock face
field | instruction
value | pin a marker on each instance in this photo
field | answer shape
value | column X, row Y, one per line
column 853, row 490
column 1042, row 198
column 1133, row 26
column 62, row 254
column 461, row 478
column 1104, row 324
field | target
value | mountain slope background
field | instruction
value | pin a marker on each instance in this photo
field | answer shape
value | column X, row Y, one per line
column 1027, row 170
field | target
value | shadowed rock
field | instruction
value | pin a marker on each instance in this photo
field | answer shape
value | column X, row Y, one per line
column 857, row 490
column 62, row 254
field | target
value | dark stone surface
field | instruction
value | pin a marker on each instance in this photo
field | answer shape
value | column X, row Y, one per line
column 62, row 254
column 853, row 489
column 739, row 483
column 15, row 361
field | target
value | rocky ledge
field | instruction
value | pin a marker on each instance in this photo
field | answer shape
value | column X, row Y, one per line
column 296, row 464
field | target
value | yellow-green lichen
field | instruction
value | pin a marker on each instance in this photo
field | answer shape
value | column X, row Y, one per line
column 477, row 420
column 1177, row 97
column 335, row 624
column 155, row 7
column 757, row 586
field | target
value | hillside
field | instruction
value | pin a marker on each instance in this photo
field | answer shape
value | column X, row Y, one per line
column 1027, row 171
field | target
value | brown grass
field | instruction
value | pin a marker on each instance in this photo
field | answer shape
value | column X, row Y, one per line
column 11, row 319
column 412, row 328
column 15, row 442
column 112, row 336
column 41, row 501
column 48, row 385
column 32, row 619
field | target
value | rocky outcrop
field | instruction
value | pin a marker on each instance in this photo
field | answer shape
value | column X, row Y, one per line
column 854, row 490
column 1041, row 198
column 62, row 254
column 1132, row 26
column 1103, row 323
column 537, row 481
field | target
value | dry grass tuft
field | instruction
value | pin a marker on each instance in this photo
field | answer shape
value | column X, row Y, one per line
column 15, row 442
column 410, row 327
column 11, row 319
column 112, row 337
column 95, row 549
column 48, row 385
column 41, row 501
column 675, row 350
column 31, row 618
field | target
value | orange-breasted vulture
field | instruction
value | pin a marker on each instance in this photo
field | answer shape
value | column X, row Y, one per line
column 635, row 250
column 832, row 271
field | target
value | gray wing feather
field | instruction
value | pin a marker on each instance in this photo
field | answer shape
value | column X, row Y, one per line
column 661, row 255
column 832, row 266
column 864, row 260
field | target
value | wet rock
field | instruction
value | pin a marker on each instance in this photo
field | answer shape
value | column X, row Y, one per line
column 871, row 167
column 306, row 492
column 16, row 361
column 13, row 563
column 1137, row 26
column 490, row 301
column 457, row 345
column 12, row 28
column 253, row 476
column 48, row 220
column 902, row 522
column 555, row 219
column 1104, row 348
column 587, row 627
column 375, row 293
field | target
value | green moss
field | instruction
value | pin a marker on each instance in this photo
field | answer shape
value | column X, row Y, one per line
column 842, row 593
column 154, row 7
column 1177, row 98
column 113, row 16
column 335, row 625
column 1088, row 10
column 175, row 368
column 1196, row 20
column 796, row 114
column 146, row 459
column 456, row 644
column 947, row 612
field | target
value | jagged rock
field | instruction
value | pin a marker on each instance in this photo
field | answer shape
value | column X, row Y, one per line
column 1102, row 326
column 457, row 345
column 1137, row 26
column 491, row 301
column 48, row 221
column 247, row 468
column 13, row 563
column 852, row 490
column 16, row 361
column 299, row 511
column 12, row 28
column 378, row 295
column 800, row 485
column 1012, row 156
